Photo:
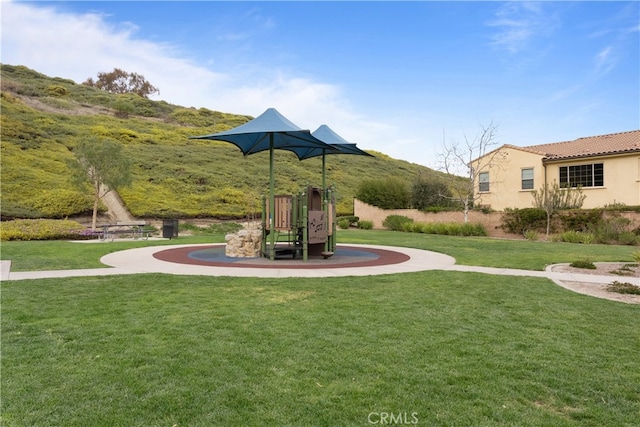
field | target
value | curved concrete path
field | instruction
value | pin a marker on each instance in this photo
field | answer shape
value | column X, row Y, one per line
column 141, row 260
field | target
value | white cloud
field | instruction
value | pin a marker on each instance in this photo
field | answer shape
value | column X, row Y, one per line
column 519, row 24
column 78, row 46
column 605, row 61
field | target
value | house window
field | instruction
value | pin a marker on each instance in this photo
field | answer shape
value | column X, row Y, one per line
column 483, row 181
column 527, row 179
column 582, row 175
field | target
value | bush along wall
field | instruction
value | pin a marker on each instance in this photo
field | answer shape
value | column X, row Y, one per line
column 604, row 226
column 403, row 223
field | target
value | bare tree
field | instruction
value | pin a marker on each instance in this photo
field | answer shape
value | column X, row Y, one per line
column 470, row 159
column 553, row 198
column 102, row 166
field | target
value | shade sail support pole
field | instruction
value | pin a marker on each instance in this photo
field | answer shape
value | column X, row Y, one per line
column 272, row 204
column 265, row 214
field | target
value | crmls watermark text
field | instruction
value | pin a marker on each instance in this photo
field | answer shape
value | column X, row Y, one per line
column 392, row 418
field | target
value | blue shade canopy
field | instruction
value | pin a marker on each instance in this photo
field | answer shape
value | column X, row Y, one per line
column 325, row 134
column 270, row 130
column 338, row 145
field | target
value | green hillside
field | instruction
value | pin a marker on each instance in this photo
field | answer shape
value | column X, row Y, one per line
column 44, row 118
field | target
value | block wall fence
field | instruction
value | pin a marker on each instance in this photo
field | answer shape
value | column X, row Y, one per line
column 491, row 221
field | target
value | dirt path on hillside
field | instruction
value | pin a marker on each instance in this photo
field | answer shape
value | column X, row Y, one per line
column 115, row 208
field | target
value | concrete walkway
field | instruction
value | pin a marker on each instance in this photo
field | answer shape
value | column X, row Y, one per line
column 141, row 260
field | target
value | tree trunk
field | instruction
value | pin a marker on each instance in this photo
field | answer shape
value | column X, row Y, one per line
column 466, row 211
column 548, row 222
column 94, row 219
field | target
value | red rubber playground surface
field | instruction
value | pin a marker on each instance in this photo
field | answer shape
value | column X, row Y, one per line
column 344, row 257
column 210, row 260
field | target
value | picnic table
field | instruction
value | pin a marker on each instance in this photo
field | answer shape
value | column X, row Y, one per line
column 136, row 229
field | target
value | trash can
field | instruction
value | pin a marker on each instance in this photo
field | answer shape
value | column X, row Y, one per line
column 169, row 228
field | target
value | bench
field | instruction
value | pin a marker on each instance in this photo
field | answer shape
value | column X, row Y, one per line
column 136, row 229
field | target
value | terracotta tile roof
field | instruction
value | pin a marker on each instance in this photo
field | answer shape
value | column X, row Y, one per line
column 614, row 143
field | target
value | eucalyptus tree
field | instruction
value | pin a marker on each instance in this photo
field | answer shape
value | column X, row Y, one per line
column 101, row 165
column 120, row 81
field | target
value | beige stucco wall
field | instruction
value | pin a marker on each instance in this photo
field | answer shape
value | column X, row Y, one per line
column 505, row 179
column 491, row 221
column 621, row 179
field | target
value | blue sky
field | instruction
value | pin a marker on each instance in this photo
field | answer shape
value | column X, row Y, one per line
column 400, row 78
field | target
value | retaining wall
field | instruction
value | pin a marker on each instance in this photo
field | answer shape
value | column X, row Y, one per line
column 491, row 221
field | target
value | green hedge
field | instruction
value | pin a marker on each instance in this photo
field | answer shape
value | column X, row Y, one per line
column 397, row 223
column 42, row 229
column 450, row 228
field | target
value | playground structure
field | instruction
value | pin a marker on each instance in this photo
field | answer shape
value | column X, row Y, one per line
column 304, row 223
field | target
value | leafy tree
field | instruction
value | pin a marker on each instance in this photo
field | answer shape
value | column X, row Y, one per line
column 426, row 193
column 390, row 193
column 120, row 81
column 102, row 166
column 553, row 198
column 470, row 159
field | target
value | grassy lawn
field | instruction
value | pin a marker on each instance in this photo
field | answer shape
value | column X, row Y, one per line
column 55, row 255
column 486, row 252
column 442, row 349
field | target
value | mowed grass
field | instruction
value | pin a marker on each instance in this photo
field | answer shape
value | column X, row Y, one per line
column 445, row 348
column 480, row 251
column 63, row 255
column 491, row 252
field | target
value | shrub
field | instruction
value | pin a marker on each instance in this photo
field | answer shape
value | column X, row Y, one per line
column 610, row 229
column 587, row 238
column 625, row 270
column 192, row 117
column 576, row 237
column 636, row 256
column 627, row 238
column 123, row 108
column 211, row 229
column 418, row 227
column 532, row 235
column 406, row 227
column 60, row 203
column 365, row 225
column 41, row 229
column 446, row 228
column 390, row 193
column 430, row 193
column 11, row 210
column 345, row 222
column 580, row 220
column 57, row 90
column 583, row 263
column 519, row 221
column 396, row 222
column 623, row 288
column 473, row 229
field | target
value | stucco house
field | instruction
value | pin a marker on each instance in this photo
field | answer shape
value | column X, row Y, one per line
column 607, row 167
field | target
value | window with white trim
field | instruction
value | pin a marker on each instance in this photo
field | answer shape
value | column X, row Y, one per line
column 483, row 181
column 591, row 175
column 527, row 178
